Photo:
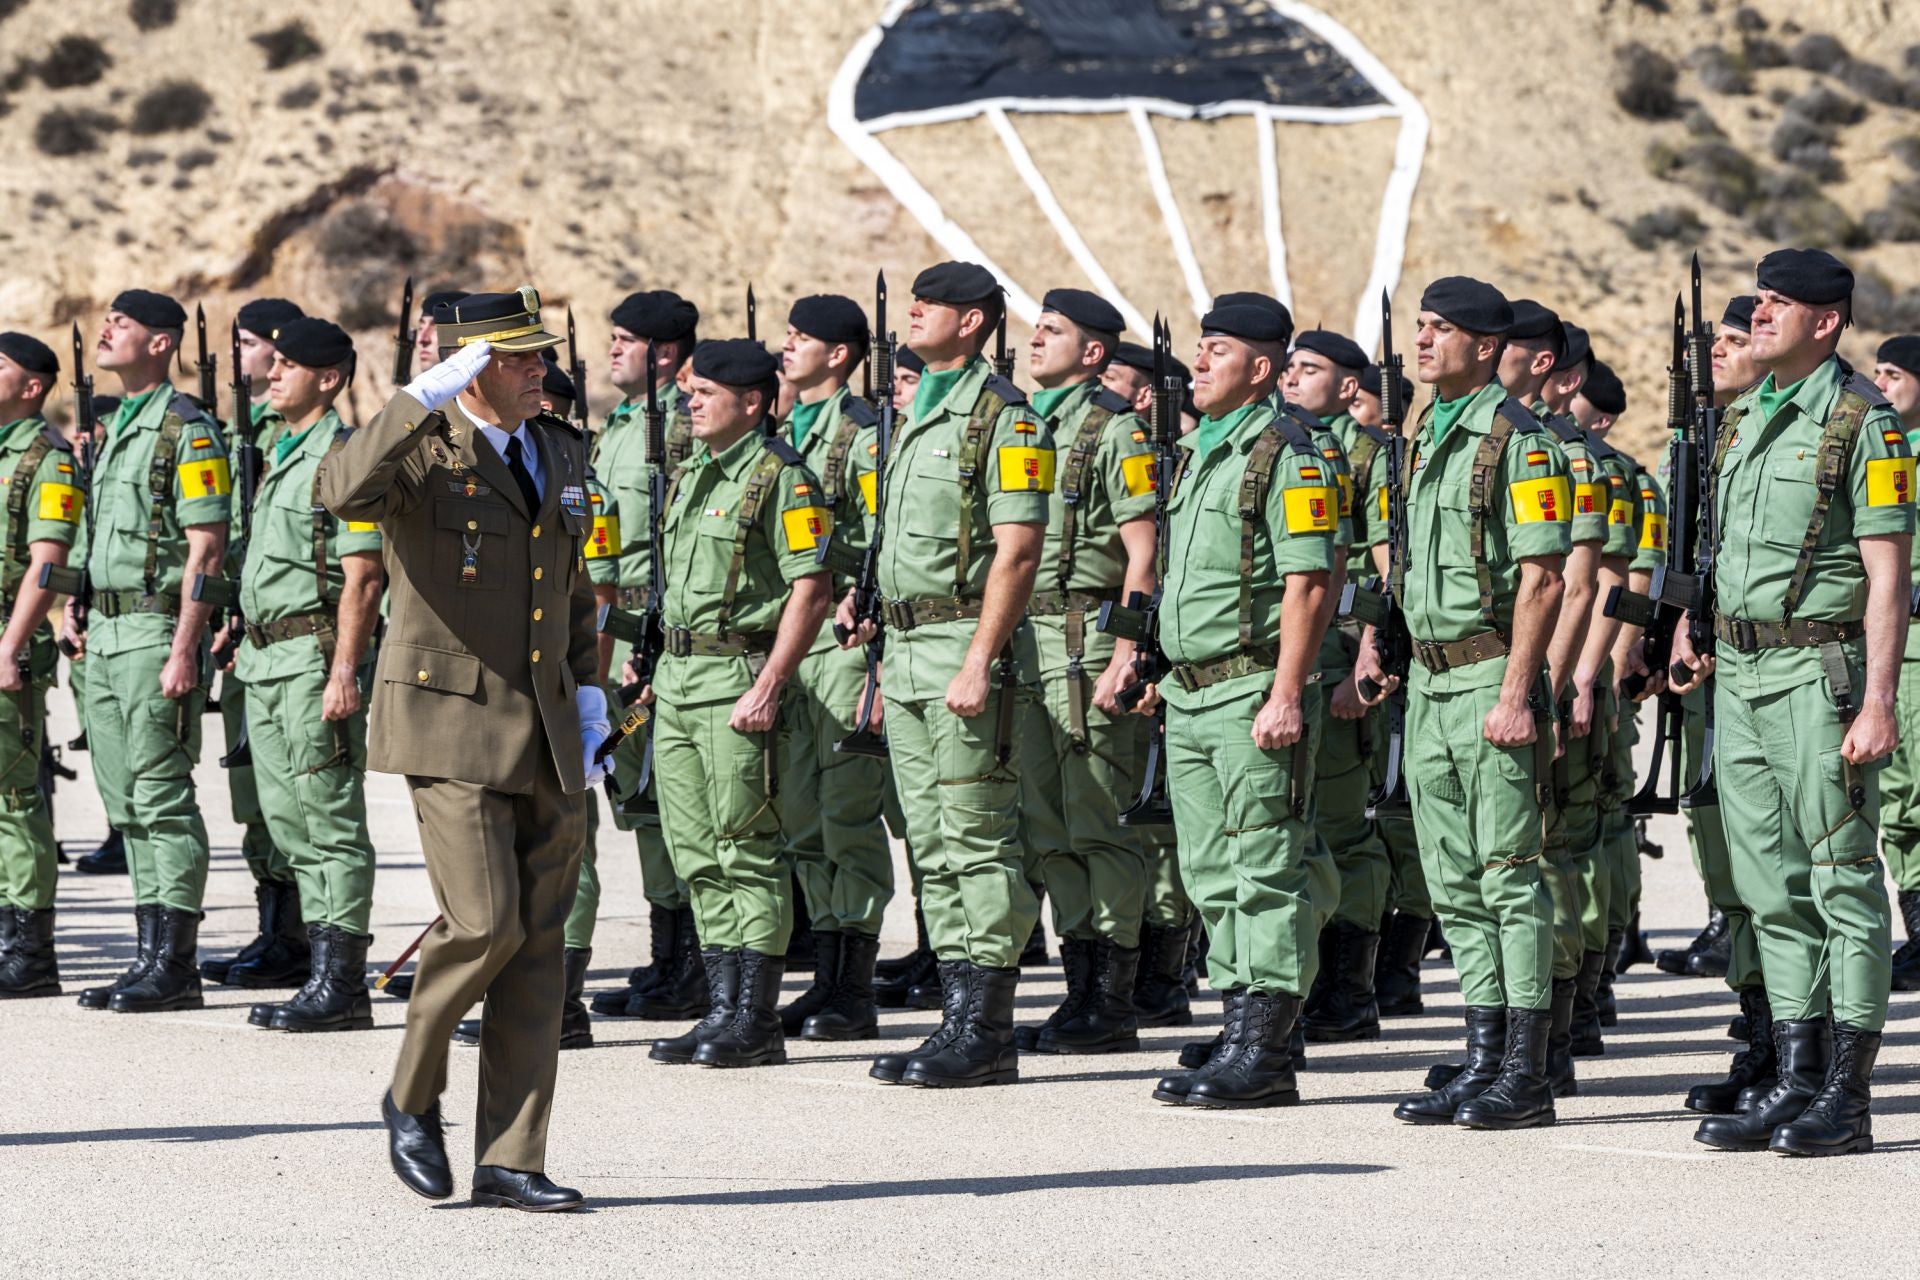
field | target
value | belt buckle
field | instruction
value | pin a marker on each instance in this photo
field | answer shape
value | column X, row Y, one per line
column 1746, row 637
column 679, row 642
column 900, row 614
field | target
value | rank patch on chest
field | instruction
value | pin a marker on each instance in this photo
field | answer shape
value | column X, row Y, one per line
column 573, row 500
column 715, row 512
column 469, row 488
column 1537, row 500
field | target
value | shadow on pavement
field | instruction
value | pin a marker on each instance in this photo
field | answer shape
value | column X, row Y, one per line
column 182, row 1133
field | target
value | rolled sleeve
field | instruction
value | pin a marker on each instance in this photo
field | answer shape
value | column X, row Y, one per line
column 1881, row 478
column 1019, row 465
column 1538, row 497
column 1303, row 514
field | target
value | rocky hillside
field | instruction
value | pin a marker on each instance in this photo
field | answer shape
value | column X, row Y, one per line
column 1578, row 152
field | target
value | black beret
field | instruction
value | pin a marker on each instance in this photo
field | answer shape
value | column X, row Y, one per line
column 1474, row 305
column 1088, row 310
column 104, row 407
column 263, row 315
column 1578, row 347
column 30, row 353
column 956, row 283
column 1370, row 383
column 735, row 362
column 313, row 342
column 830, row 318
column 441, row 298
column 1532, row 320
column 154, row 310
column 1812, row 276
column 1603, row 389
column 909, row 359
column 1266, row 302
column 555, row 381
column 1247, row 322
column 659, row 314
column 1739, row 313
column 1337, row 347
column 1134, row 356
column 1903, row 352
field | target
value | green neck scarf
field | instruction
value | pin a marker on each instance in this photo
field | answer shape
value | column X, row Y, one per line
column 805, row 416
column 1772, row 399
column 1047, row 399
column 131, row 406
column 1446, row 413
column 1212, row 431
column 933, row 388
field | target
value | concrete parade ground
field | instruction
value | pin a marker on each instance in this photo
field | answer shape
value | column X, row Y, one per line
column 192, row 1144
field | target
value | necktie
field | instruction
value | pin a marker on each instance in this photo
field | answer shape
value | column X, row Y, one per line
column 516, row 463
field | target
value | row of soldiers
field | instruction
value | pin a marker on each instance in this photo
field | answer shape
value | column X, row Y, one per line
column 1013, row 744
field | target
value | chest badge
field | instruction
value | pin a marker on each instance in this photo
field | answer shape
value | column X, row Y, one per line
column 573, row 499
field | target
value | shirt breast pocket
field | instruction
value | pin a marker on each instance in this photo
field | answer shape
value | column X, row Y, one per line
column 1453, row 512
column 469, row 549
column 932, row 505
column 1217, row 533
column 1786, row 504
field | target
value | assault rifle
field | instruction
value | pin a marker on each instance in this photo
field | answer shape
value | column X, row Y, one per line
column 67, row 579
column 1002, row 358
column 577, row 371
column 206, row 365
column 1138, row 619
column 220, row 590
column 403, row 339
column 863, row 566
column 1378, row 603
column 753, row 327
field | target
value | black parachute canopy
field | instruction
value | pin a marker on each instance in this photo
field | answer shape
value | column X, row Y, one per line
column 945, row 53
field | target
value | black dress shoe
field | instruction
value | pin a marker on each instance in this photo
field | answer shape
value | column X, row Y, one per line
column 497, row 1188
column 417, row 1146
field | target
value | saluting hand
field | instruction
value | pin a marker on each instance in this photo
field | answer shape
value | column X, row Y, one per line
column 439, row 385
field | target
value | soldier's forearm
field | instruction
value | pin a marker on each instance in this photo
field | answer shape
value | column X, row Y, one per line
column 206, row 550
column 34, row 601
column 806, row 609
column 1536, row 608
column 1304, row 613
column 1889, row 594
column 1016, row 561
column 359, row 611
column 1625, row 637
column 1576, row 606
column 1602, row 631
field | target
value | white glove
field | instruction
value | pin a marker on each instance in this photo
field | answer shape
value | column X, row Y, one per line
column 440, row 384
column 591, row 703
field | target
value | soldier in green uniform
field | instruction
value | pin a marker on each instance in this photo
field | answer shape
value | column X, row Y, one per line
column 1489, row 498
column 278, row 955
column 966, row 502
column 163, row 490
column 658, row 326
column 745, row 599
column 310, row 594
column 1252, row 519
column 41, row 519
column 1079, row 749
column 1896, row 372
column 1169, row 926
column 1813, row 491
column 1323, row 377
column 832, row 801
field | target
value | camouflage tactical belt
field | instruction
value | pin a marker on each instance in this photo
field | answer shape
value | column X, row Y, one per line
column 299, row 626
column 1747, row 636
column 1437, row 657
column 111, row 604
column 1194, row 676
column 682, row 643
column 1053, row 604
column 905, row 615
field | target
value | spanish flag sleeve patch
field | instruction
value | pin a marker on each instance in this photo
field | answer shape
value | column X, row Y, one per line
column 804, row 527
column 1310, row 509
column 1538, row 458
column 1889, row 481
column 605, row 539
column 61, row 502
column 1542, row 499
column 1025, row 469
column 205, row 478
column 1137, row 471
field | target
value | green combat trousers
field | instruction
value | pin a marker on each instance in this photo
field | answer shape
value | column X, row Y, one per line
column 1711, row 858
column 658, row 882
column 1071, row 795
column 1573, row 836
column 961, row 805
column 144, row 747
column 264, row 860
column 586, row 899
column 29, row 858
column 831, row 801
column 1805, row 862
column 311, row 774
column 1247, row 853
column 722, row 828
column 1620, row 850
column 1406, row 882
column 1900, row 781
column 1343, row 775
column 1479, row 823
column 1601, row 878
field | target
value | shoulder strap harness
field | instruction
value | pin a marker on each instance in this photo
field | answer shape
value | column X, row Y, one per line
column 1073, row 480
column 995, row 397
column 160, row 480
column 776, row 457
column 20, row 490
column 1289, row 432
column 1858, row 398
column 1510, row 418
column 856, row 415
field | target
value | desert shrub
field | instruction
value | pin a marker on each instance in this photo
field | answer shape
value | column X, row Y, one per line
column 1749, row 20
column 1667, row 223
column 1871, row 80
column 1719, row 172
column 287, row 45
column 64, row 132
column 1645, row 83
column 1791, row 209
column 166, row 108
column 301, row 95
column 198, row 158
column 151, row 15
column 1906, row 150
column 363, row 232
column 73, row 61
column 1818, row 52
column 1823, row 106
column 1721, row 71
column 1877, row 305
column 1899, row 218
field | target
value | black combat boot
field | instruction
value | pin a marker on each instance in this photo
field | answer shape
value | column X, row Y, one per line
column 30, row 969
column 1397, row 975
column 335, row 997
column 721, row 970
column 1669, row 960
column 1603, row 1001
column 929, row 993
column 684, row 992
column 803, row 945
column 1259, row 1070
column 661, row 924
column 1520, row 1097
column 1198, row 945
column 1034, row 954
column 1486, row 1042
column 900, row 966
column 277, row 956
column 1160, row 996
column 172, row 981
column 1326, row 965
column 888, row 1068
column 850, row 1012
column 1714, row 959
column 576, row 1024
column 1297, row 1046
column 1637, row 951
column 1803, row 1049
column 752, row 1036
column 826, row 974
column 1755, row 1068
column 146, row 924
column 1587, row 1042
column 110, row 859
column 1348, row 1012
column 1104, row 1022
column 8, row 927
column 917, row 968
column 1076, row 963
column 1560, row 1041
column 1906, row 960
column 981, row 1051
column 1203, row 1056
column 1838, row 1121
